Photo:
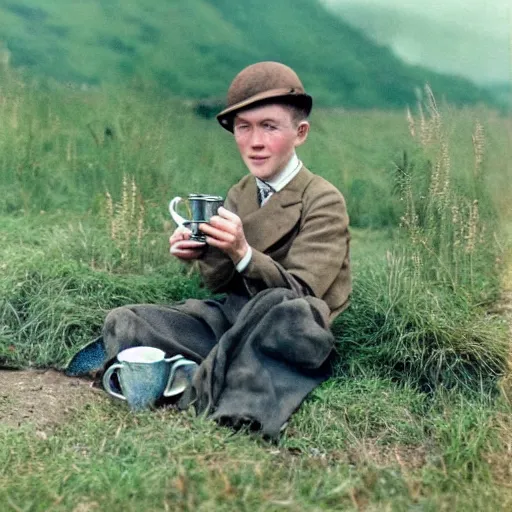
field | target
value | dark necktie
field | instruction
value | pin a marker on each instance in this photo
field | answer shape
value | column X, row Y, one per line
column 264, row 191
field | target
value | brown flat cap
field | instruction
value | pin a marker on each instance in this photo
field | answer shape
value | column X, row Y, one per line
column 263, row 83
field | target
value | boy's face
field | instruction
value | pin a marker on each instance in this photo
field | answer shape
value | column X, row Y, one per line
column 267, row 137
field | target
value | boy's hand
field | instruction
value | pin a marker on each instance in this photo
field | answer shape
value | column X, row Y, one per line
column 226, row 232
column 182, row 247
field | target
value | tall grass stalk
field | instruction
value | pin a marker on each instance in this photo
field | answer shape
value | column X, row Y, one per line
column 126, row 219
column 425, row 317
column 450, row 238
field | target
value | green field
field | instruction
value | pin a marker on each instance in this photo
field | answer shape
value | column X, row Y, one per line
column 414, row 418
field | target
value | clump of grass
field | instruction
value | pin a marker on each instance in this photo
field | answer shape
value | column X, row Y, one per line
column 424, row 317
column 405, row 329
column 58, row 283
column 48, row 311
column 449, row 235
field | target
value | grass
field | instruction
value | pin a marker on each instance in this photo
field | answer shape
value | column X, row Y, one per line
column 400, row 328
column 362, row 445
column 412, row 419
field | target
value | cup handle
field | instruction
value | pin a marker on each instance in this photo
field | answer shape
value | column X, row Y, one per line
column 180, row 221
column 169, row 391
column 170, row 360
column 173, row 358
column 106, row 380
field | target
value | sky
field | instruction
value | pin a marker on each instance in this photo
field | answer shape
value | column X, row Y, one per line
column 480, row 45
column 491, row 16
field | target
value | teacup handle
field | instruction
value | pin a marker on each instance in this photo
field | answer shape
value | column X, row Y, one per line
column 180, row 221
column 106, row 380
column 169, row 390
column 173, row 358
column 170, row 360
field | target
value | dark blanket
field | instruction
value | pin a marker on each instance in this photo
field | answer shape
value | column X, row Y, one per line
column 263, row 367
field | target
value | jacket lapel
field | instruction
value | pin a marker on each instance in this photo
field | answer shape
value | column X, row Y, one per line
column 265, row 226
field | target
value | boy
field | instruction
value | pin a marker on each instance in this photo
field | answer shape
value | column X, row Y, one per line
column 279, row 249
column 300, row 239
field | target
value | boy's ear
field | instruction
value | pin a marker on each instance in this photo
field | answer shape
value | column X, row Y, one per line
column 302, row 132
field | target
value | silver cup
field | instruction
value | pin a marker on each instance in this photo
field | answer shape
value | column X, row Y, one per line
column 202, row 207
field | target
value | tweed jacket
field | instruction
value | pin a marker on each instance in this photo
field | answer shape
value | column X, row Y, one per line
column 299, row 239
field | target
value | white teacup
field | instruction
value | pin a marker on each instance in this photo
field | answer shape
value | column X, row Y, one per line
column 144, row 375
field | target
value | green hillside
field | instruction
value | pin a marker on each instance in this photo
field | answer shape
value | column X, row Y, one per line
column 193, row 48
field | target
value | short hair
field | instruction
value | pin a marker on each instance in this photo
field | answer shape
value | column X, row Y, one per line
column 298, row 112
column 297, row 109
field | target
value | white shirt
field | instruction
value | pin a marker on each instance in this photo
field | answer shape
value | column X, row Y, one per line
column 283, row 178
column 276, row 184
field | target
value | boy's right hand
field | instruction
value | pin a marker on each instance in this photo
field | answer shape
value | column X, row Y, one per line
column 182, row 247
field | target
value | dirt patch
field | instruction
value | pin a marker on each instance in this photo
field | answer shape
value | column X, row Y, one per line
column 43, row 398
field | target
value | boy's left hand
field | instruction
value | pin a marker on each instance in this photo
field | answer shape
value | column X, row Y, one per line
column 226, row 232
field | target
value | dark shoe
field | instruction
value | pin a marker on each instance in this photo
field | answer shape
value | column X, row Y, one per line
column 88, row 360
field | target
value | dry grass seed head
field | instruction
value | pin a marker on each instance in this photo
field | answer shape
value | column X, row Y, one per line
column 126, row 218
column 472, row 230
column 456, row 223
column 430, row 123
column 110, row 214
column 478, row 138
column 434, row 180
column 140, row 224
column 424, row 132
column 445, row 166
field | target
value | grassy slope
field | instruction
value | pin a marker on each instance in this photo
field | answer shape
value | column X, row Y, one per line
column 193, row 48
column 358, row 443
column 57, row 164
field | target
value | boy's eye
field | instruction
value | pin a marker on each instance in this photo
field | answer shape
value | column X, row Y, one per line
column 241, row 127
column 269, row 126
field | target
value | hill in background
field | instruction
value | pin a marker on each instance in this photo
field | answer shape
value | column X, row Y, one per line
column 193, row 48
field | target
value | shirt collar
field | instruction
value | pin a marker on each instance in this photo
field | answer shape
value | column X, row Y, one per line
column 285, row 176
